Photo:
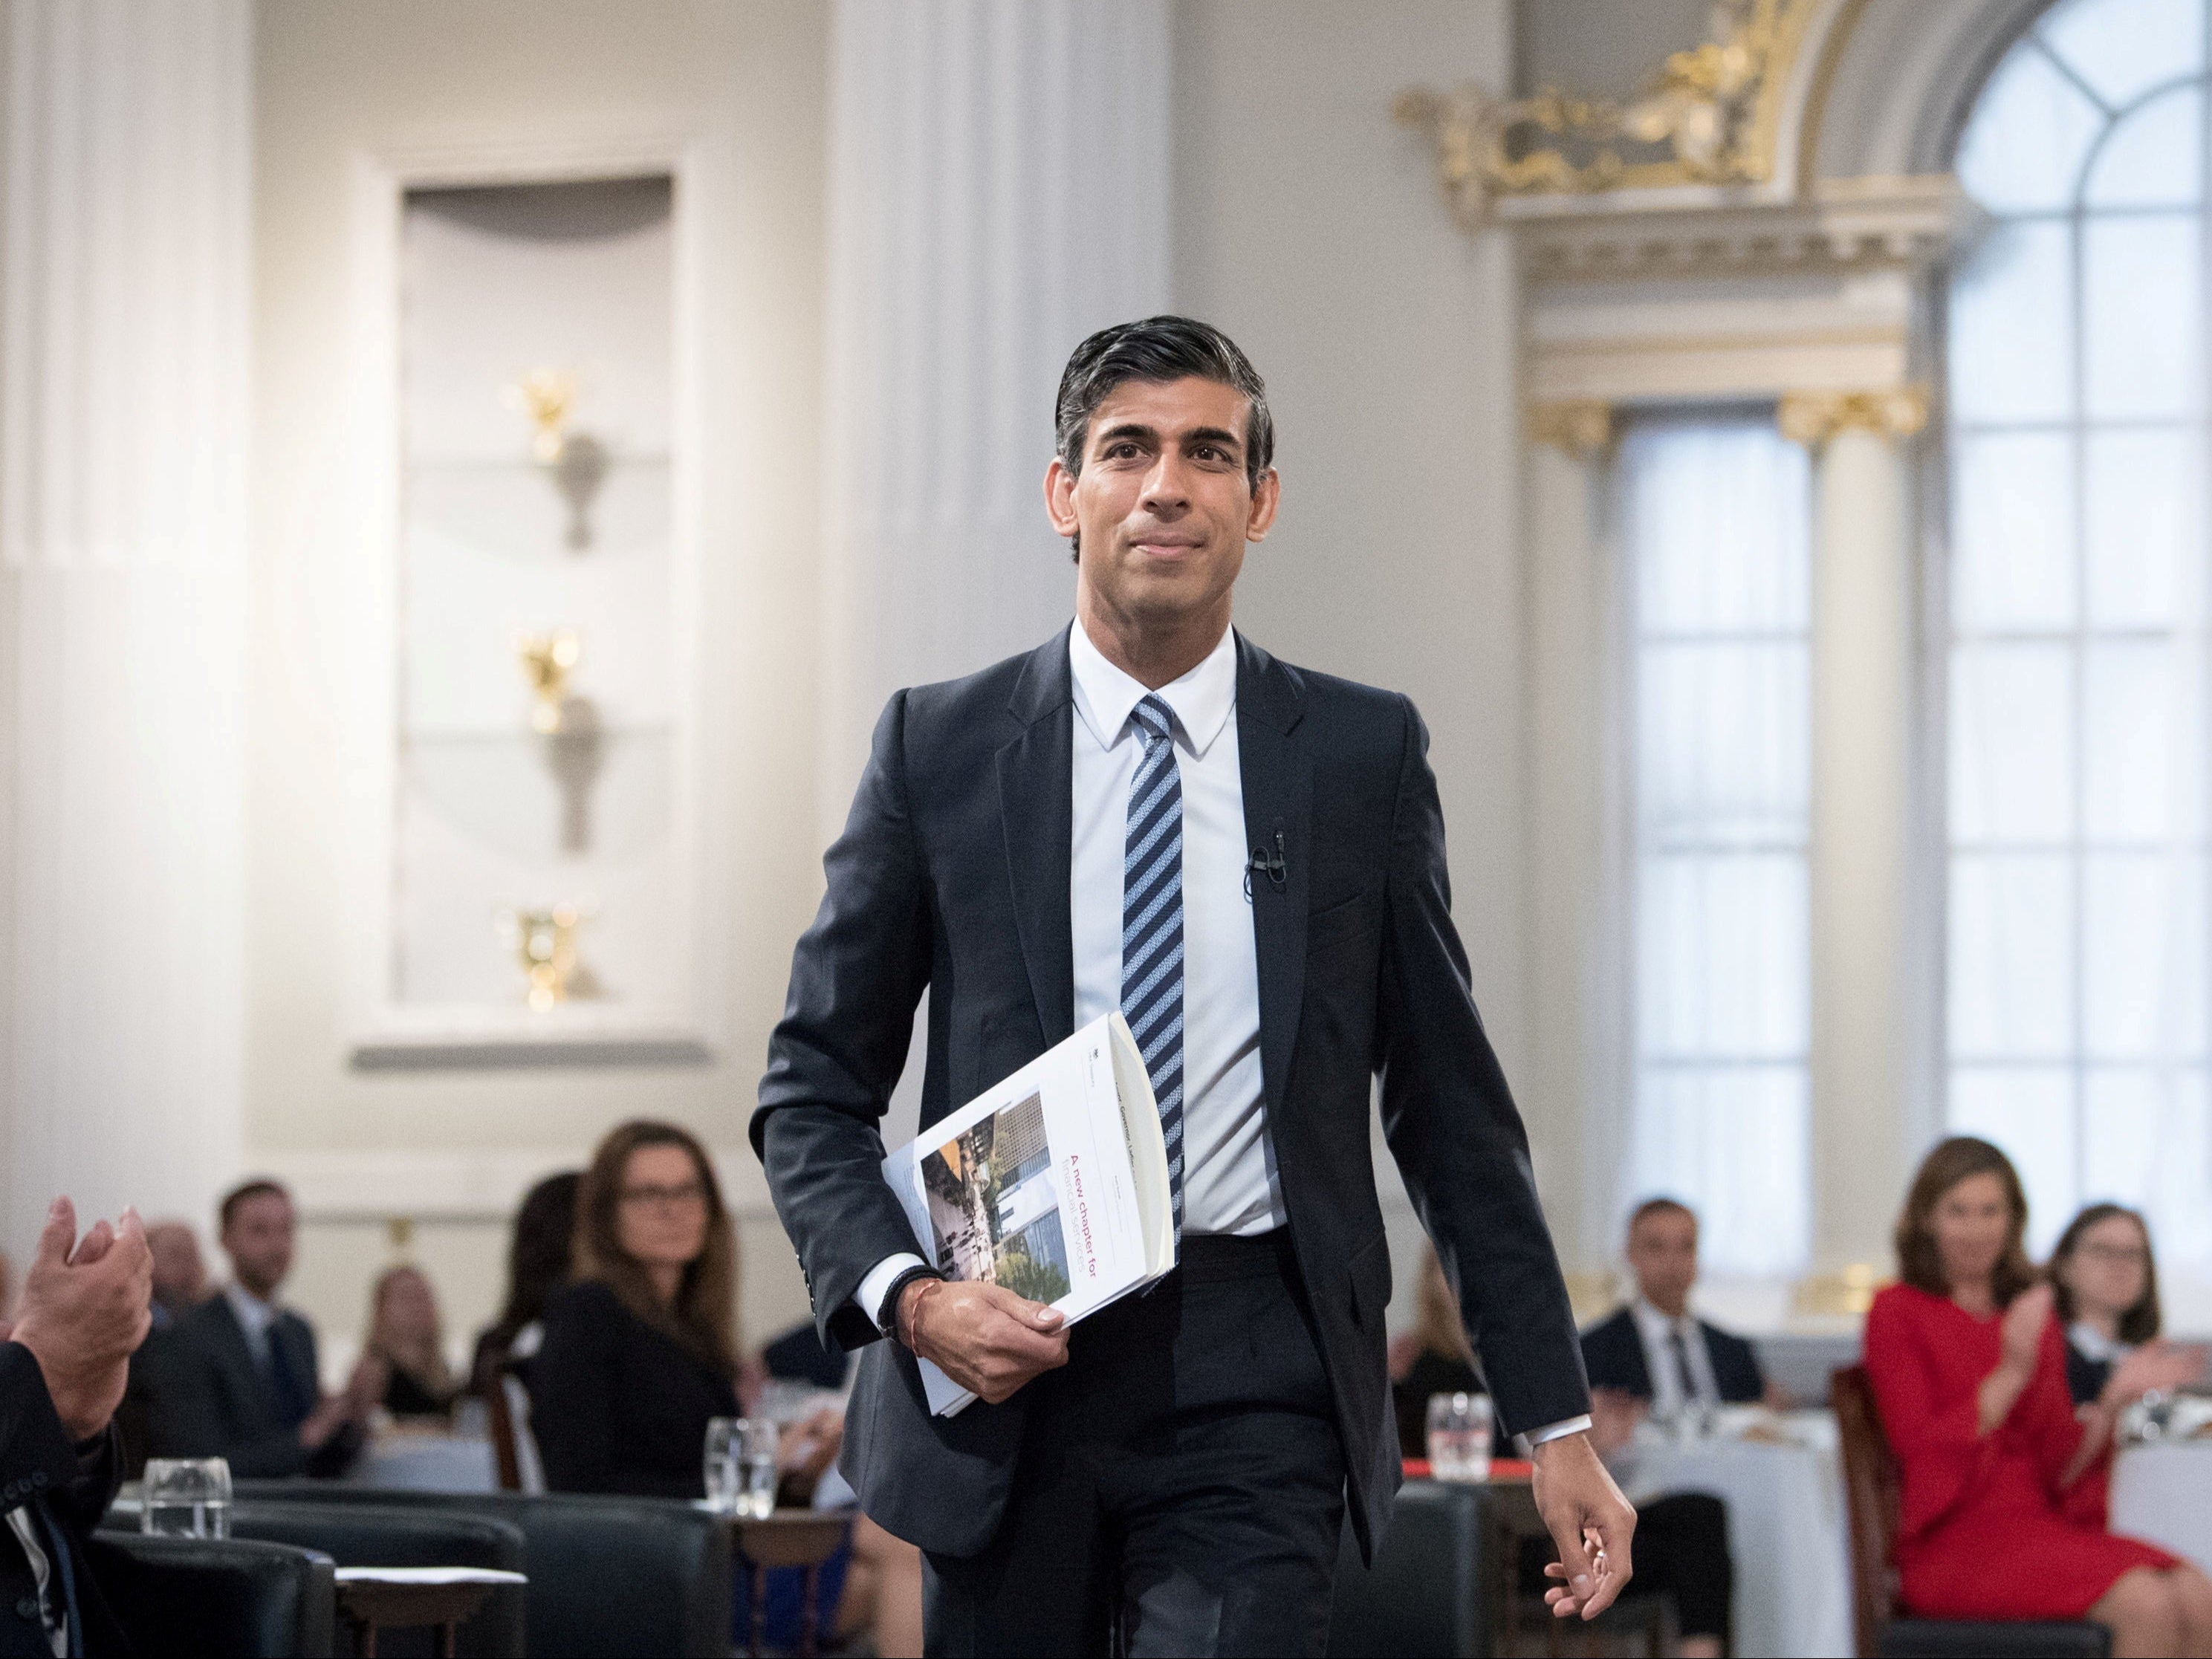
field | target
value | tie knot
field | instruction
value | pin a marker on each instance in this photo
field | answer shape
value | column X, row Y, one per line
column 1153, row 719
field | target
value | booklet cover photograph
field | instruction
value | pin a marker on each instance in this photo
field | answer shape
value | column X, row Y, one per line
column 993, row 1207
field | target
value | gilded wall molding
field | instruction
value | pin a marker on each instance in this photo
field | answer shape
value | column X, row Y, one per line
column 1578, row 428
column 1812, row 418
column 1710, row 115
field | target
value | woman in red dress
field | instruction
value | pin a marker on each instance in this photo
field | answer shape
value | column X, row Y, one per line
column 2003, row 1502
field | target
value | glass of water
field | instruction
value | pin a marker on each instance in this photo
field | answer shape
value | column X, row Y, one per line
column 741, row 1472
column 187, row 1498
column 1459, row 1436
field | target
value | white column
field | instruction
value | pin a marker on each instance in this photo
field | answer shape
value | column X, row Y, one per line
column 124, row 322
column 1865, row 985
column 998, row 189
column 1578, row 1086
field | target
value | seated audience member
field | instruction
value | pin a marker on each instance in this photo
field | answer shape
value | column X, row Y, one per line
column 179, row 1274
column 2104, row 1285
column 1655, row 1350
column 537, row 1265
column 61, row 1374
column 1681, row 1538
column 239, row 1380
column 407, row 1344
column 2003, row 1505
column 638, row 1352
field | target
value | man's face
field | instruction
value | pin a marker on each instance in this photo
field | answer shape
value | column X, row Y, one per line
column 1163, row 504
column 259, row 1242
column 178, row 1279
column 1663, row 1253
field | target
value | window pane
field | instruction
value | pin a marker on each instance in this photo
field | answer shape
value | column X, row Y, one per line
column 1717, row 513
column 2140, row 338
column 1733, row 1145
column 2145, row 512
column 2023, row 146
column 2012, row 315
column 2011, row 989
column 1720, row 743
column 2030, row 1113
column 2153, row 157
column 2148, row 1143
column 1724, row 964
column 2140, row 742
column 2143, row 949
column 2012, row 548
column 2123, row 48
column 2012, row 730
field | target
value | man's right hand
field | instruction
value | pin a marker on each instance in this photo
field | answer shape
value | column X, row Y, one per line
column 984, row 1337
column 86, row 1309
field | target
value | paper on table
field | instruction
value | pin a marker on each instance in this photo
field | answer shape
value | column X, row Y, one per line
column 429, row 1576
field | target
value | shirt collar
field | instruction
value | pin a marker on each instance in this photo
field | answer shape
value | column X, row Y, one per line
column 253, row 1312
column 2095, row 1344
column 1657, row 1326
column 1202, row 701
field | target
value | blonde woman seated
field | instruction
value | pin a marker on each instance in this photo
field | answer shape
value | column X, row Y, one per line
column 2002, row 1510
column 406, row 1346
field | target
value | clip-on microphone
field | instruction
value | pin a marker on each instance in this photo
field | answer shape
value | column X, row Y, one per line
column 1264, row 862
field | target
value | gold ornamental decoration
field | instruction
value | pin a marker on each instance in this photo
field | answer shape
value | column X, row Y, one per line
column 545, row 945
column 547, row 659
column 1578, row 428
column 548, row 397
column 1709, row 116
column 1811, row 418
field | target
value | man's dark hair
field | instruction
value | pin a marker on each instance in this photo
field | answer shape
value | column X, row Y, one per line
column 1651, row 1206
column 246, row 1189
column 1160, row 349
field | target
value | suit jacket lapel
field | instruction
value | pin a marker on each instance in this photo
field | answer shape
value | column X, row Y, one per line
column 1278, row 801
column 1036, row 810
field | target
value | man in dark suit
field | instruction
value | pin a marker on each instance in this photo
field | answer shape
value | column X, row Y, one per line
column 235, row 1376
column 1149, row 813
column 1654, row 1350
column 62, row 1369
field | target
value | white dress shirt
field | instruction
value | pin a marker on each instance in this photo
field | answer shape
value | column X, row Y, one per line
column 1231, row 1184
column 255, row 1316
column 1670, row 1389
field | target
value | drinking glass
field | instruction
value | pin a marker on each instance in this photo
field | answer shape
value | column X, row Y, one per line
column 741, row 1472
column 187, row 1498
column 1459, row 1436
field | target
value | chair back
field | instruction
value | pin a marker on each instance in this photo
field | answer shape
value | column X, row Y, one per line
column 229, row 1596
column 608, row 1576
column 1424, row 1593
column 367, row 1535
column 1870, row 1497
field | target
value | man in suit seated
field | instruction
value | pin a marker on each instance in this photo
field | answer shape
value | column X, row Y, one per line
column 62, row 1373
column 1655, row 1358
column 238, row 1379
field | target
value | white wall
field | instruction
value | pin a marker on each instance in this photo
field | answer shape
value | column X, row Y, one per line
column 456, row 1146
column 1309, row 226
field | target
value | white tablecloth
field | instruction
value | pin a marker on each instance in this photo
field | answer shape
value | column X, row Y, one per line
column 2163, row 1495
column 419, row 1462
column 1786, row 1531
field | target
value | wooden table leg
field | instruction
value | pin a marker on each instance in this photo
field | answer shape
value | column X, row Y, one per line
column 757, row 1583
column 449, row 1635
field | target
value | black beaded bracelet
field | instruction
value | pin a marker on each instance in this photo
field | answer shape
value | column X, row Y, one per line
column 887, row 1315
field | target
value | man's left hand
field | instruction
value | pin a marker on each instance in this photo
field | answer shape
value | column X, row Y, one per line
column 1590, row 1522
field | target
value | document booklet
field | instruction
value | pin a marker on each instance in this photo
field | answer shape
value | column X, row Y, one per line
column 1054, row 1183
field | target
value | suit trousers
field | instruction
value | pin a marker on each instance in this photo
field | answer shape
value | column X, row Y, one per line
column 1181, row 1482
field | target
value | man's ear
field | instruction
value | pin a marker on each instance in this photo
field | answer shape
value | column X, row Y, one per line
column 1060, row 498
column 1267, row 496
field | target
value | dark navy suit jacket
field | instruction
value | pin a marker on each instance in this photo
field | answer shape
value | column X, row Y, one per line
column 952, row 873
column 1613, row 1353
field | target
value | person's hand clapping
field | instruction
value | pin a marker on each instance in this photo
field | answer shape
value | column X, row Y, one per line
column 1614, row 1415
column 984, row 1337
column 2154, row 1368
column 2021, row 1334
column 86, row 1306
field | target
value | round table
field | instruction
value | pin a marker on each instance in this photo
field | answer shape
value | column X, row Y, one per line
column 1786, row 1528
column 2158, row 1495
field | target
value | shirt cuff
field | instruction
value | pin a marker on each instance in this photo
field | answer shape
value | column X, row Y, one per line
column 1558, row 1430
column 869, row 1299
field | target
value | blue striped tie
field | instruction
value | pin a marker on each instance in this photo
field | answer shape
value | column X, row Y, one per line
column 1151, row 927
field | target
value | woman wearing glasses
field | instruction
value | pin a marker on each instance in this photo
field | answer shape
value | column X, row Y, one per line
column 2104, row 1285
column 640, row 1349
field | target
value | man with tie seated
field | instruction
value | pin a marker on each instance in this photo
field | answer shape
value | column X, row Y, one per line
column 1654, row 1350
column 1149, row 813
column 238, row 1378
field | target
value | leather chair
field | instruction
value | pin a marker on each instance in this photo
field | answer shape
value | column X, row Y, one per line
column 218, row 1595
column 608, row 1576
column 1424, row 1594
column 1871, row 1493
column 363, row 1535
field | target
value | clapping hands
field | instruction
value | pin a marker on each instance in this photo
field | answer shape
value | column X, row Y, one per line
column 86, row 1306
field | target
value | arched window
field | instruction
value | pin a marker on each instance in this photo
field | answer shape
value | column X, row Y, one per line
column 2078, row 923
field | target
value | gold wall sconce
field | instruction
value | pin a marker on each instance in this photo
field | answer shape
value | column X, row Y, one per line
column 544, row 944
column 547, row 659
column 548, row 396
